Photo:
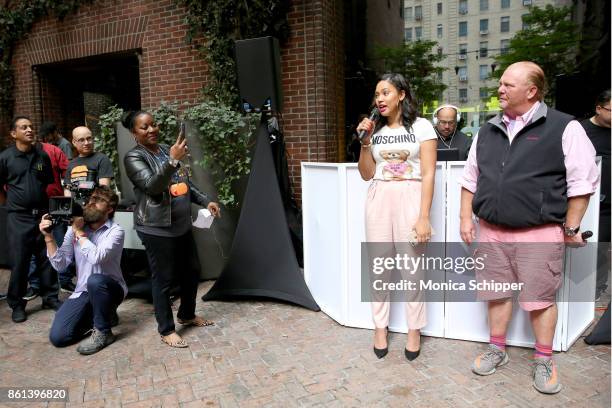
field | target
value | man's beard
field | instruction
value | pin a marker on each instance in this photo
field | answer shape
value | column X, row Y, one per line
column 92, row 215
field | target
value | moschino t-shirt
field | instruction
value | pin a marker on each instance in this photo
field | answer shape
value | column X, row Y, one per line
column 396, row 151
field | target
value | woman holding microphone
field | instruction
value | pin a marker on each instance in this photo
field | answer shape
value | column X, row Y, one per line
column 398, row 153
column 162, row 219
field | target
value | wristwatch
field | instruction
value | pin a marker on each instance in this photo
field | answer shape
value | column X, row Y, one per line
column 173, row 162
column 570, row 231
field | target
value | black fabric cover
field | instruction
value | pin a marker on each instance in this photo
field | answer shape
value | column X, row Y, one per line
column 601, row 332
column 292, row 212
column 262, row 260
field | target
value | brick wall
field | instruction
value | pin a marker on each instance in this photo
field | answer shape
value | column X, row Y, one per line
column 312, row 66
column 313, row 84
column 169, row 68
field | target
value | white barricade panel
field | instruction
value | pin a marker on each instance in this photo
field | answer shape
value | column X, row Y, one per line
column 322, row 209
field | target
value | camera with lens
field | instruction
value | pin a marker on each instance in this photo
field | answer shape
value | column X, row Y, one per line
column 63, row 209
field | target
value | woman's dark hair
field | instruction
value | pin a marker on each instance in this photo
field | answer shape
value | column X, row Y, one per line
column 408, row 105
column 129, row 118
column 603, row 98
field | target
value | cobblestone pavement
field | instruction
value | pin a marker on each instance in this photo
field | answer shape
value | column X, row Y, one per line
column 264, row 353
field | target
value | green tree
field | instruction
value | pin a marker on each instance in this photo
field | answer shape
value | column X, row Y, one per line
column 550, row 39
column 417, row 62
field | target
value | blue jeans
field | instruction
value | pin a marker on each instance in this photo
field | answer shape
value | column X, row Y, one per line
column 65, row 275
column 94, row 308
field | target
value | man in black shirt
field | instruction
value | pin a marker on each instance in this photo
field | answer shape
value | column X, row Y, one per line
column 87, row 160
column 598, row 130
column 25, row 169
column 445, row 120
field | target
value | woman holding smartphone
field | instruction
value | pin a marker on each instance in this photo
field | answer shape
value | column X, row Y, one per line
column 162, row 219
column 398, row 154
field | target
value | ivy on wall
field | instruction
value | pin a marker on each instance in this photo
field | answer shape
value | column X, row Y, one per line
column 224, row 135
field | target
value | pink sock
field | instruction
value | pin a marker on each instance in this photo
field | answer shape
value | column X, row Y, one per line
column 543, row 351
column 499, row 341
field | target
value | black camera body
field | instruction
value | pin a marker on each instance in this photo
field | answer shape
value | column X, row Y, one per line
column 63, row 209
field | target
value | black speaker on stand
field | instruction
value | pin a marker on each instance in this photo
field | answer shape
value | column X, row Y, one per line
column 258, row 65
column 262, row 261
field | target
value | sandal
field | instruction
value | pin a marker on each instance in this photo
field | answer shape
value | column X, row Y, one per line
column 196, row 321
column 174, row 340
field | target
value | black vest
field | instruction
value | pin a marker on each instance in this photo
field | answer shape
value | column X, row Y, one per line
column 522, row 184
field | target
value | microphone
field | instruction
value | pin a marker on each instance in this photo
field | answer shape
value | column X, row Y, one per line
column 374, row 115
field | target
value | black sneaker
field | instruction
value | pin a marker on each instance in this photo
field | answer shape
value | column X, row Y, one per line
column 19, row 314
column 67, row 287
column 96, row 342
column 31, row 293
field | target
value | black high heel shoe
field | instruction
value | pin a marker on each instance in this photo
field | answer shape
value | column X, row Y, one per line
column 380, row 353
column 411, row 355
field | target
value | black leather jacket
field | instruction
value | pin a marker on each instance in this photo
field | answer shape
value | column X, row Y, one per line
column 151, row 186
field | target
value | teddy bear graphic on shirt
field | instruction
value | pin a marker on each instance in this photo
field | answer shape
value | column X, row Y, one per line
column 396, row 166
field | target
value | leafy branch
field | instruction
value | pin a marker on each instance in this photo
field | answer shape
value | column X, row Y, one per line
column 224, row 135
column 106, row 142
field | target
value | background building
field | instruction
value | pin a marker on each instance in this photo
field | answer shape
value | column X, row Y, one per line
column 470, row 33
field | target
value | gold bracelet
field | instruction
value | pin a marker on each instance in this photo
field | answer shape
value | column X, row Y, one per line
column 366, row 145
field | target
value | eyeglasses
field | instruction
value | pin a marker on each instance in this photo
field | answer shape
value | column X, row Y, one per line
column 604, row 108
column 85, row 140
column 98, row 199
column 447, row 122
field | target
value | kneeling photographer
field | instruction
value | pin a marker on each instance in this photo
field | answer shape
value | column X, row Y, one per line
column 94, row 242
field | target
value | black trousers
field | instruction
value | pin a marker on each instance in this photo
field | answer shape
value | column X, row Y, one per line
column 25, row 240
column 170, row 261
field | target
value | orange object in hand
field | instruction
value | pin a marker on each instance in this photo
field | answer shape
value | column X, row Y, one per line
column 179, row 189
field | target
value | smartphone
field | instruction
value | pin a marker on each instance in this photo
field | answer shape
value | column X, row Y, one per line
column 182, row 132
